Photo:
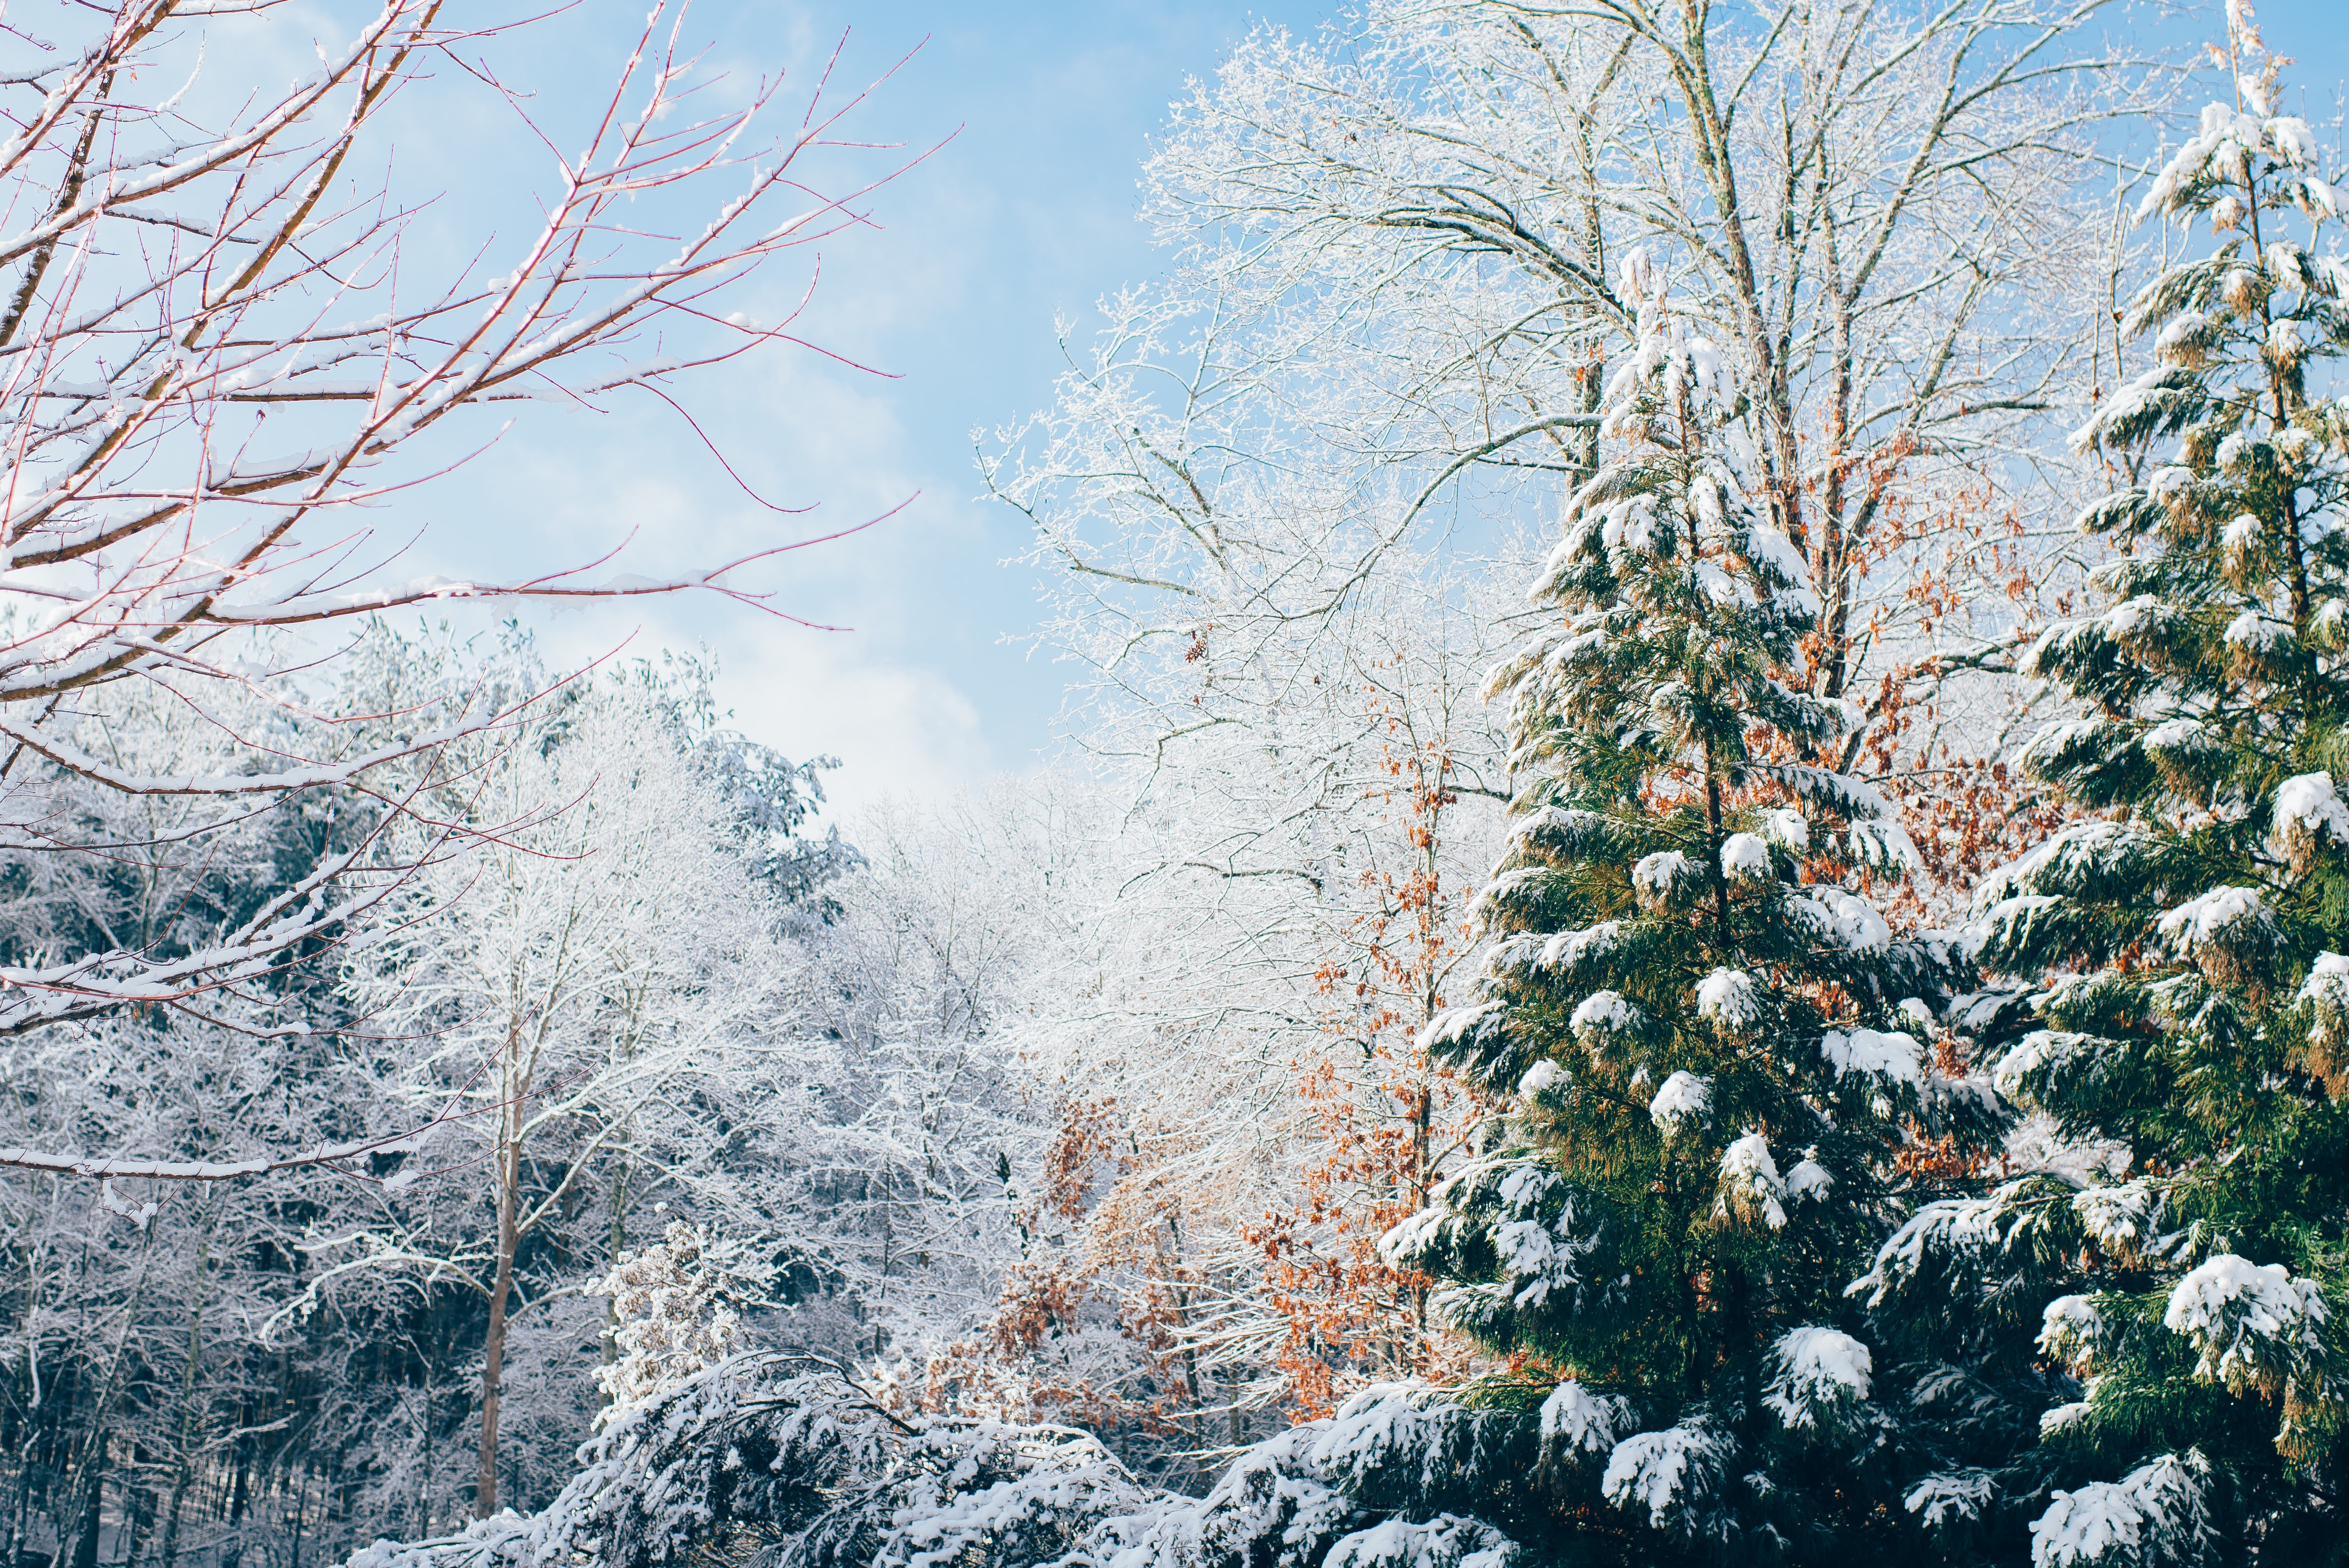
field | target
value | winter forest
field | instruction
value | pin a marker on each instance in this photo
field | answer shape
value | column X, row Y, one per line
column 1691, row 904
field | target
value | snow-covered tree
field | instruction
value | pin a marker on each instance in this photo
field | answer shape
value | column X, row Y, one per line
column 2179, row 1000
column 1719, row 1052
column 943, row 946
column 585, row 1013
column 675, row 1310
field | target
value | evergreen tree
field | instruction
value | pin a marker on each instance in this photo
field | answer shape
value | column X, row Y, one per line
column 1711, row 1048
column 2182, row 1005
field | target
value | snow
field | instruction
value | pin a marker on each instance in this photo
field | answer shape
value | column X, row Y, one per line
column 1765, row 545
column 1574, row 1419
column 1670, row 1473
column 1539, row 1259
column 1744, row 857
column 1684, row 1101
column 2285, row 344
column 2254, row 632
column 2308, row 810
column 1523, row 1186
column 1386, row 1425
column 1445, row 1541
column 1895, row 1056
column 1604, row 1013
column 2248, row 1324
column 1821, row 1371
column 2143, row 612
column 1409, row 1240
column 2071, row 1331
column 2182, row 328
column 1885, row 845
column 1453, row 1025
column 1854, row 799
column 1563, row 950
column 1786, row 829
column 1728, row 999
column 1940, row 1499
column 1629, row 523
column 1537, row 1077
column 1946, row 1228
column 2079, row 851
column 2328, row 980
column 2060, row 1418
column 2056, row 737
column 1537, row 1256
column 2182, row 735
column 1719, row 586
column 1750, row 1186
column 2034, row 1053
column 1808, row 1179
column 2124, row 1218
column 1848, row 921
column 1662, row 876
column 2214, row 918
column 2155, row 1514
column 2294, row 142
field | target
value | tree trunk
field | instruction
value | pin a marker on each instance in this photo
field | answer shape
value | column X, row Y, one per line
column 86, row 1549
column 239, row 1492
column 187, row 1465
column 493, row 1345
column 138, row 1506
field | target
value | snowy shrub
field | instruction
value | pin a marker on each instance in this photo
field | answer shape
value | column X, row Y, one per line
column 673, row 1311
column 1271, row 1506
column 763, row 1452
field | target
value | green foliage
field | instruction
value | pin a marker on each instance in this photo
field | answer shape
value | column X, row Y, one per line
column 2177, row 946
column 1712, row 1050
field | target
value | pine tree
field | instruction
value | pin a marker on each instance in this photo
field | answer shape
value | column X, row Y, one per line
column 2182, row 1005
column 1711, row 1051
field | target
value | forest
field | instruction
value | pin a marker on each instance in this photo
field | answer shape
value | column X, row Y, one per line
column 1694, row 908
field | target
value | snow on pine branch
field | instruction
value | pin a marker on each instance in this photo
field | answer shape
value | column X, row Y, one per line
column 2157, row 1513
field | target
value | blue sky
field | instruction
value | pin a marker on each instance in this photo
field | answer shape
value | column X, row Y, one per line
column 1027, row 214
